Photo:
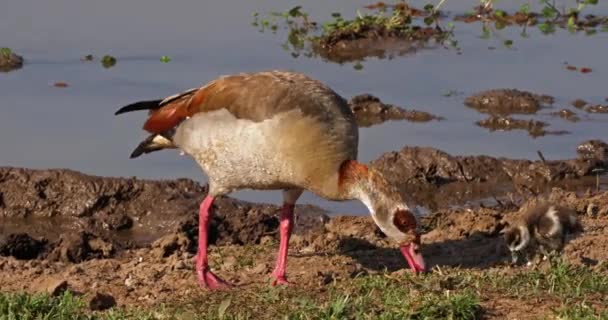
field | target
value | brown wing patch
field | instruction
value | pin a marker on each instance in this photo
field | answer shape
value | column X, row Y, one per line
column 174, row 112
column 404, row 221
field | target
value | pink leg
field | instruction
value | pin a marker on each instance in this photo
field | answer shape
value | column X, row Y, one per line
column 286, row 224
column 206, row 278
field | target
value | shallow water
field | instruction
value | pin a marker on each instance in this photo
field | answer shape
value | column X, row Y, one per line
column 46, row 127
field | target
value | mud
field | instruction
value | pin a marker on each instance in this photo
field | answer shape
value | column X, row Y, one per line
column 568, row 115
column 369, row 111
column 534, row 128
column 132, row 242
column 508, row 101
column 354, row 50
column 10, row 61
column 340, row 249
column 435, row 179
column 588, row 107
column 85, row 217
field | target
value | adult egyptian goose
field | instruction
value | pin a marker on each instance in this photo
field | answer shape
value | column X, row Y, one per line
column 269, row 131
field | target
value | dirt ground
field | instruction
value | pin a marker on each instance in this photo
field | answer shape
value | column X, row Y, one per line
column 135, row 240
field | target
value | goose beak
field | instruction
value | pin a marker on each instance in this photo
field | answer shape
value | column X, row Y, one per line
column 414, row 258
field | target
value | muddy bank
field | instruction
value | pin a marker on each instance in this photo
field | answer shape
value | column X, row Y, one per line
column 436, row 179
column 508, row 101
column 369, row 111
column 339, row 250
column 9, row 60
column 70, row 216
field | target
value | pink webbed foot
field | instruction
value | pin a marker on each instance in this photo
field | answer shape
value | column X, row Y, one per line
column 280, row 279
column 209, row 280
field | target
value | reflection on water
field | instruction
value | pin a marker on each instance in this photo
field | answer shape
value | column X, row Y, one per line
column 43, row 126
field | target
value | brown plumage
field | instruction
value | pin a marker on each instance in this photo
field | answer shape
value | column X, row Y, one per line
column 275, row 130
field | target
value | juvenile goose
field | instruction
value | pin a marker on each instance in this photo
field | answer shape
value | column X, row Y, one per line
column 544, row 226
column 274, row 131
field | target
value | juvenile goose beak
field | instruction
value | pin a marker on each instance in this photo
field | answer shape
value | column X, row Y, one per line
column 414, row 258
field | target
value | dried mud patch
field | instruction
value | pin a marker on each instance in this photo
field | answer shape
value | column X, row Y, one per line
column 369, row 111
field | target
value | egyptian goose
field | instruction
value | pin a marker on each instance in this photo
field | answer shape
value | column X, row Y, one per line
column 544, row 226
column 269, row 131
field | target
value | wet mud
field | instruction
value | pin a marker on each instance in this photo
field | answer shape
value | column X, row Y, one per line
column 566, row 114
column 338, row 249
column 436, row 179
column 589, row 107
column 369, row 111
column 508, row 101
column 534, row 128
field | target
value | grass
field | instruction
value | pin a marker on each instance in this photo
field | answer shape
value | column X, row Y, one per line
column 574, row 292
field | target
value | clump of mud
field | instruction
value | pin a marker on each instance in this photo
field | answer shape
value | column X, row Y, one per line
column 507, row 101
column 369, row 110
column 568, row 115
column 9, row 60
column 22, row 246
column 590, row 108
column 535, row 128
column 378, row 35
column 593, row 149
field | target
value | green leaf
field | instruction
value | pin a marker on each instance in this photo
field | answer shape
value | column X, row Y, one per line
column 500, row 13
column 572, row 22
column 336, row 14
column 108, row 61
column 429, row 7
column 295, row 11
column 546, row 27
column 548, row 12
column 6, row 51
column 508, row 43
column 221, row 310
column 429, row 21
column 500, row 25
column 591, row 2
column 358, row 66
column 525, row 8
column 165, row 59
column 450, row 25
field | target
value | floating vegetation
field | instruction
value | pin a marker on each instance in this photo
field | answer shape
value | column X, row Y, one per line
column 165, row 59
column 547, row 20
column 385, row 31
column 9, row 60
column 108, row 61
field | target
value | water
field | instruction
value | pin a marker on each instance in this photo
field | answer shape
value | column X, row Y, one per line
column 46, row 127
